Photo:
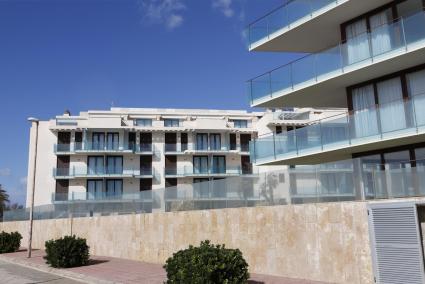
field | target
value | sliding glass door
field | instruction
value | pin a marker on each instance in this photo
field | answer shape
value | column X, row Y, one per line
column 200, row 164
column 219, row 165
column 94, row 189
column 416, row 89
column 215, row 141
column 380, row 32
column 202, row 141
column 365, row 116
column 114, row 165
column 112, row 142
column 95, row 165
column 114, row 188
column 391, row 106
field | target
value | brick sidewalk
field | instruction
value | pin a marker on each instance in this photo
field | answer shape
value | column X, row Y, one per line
column 113, row 270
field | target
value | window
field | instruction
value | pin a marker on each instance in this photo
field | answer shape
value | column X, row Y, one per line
column 145, row 184
column 62, row 187
column 171, row 122
column 114, row 165
column 219, row 165
column 145, row 165
column 245, row 139
column 144, row 122
column 232, row 141
column 200, row 164
column 184, row 142
column 98, row 141
column 170, row 142
column 95, row 165
column 202, row 141
column 145, row 142
column 114, row 188
column 94, row 189
column 112, row 142
column 246, row 165
column 215, row 141
column 240, row 123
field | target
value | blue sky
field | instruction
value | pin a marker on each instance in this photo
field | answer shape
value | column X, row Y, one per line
column 90, row 54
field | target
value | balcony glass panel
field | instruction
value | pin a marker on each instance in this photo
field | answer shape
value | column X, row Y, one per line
column 372, row 124
column 284, row 17
column 360, row 48
column 280, row 80
column 413, row 27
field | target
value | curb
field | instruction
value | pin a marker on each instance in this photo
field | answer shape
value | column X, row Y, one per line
column 59, row 272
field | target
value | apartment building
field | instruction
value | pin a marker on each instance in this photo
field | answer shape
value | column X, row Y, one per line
column 123, row 152
column 365, row 56
column 368, row 57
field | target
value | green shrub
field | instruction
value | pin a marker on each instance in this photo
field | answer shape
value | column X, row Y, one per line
column 207, row 264
column 10, row 242
column 68, row 251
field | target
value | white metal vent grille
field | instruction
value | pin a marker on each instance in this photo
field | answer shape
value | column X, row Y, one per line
column 396, row 243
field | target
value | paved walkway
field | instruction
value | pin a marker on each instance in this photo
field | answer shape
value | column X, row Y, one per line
column 106, row 270
column 16, row 274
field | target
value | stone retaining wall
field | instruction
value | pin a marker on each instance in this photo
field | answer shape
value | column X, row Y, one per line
column 324, row 242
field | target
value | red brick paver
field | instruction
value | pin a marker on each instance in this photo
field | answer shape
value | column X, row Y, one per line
column 115, row 270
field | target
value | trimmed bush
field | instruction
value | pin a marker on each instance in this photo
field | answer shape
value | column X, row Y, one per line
column 68, row 251
column 10, row 242
column 207, row 264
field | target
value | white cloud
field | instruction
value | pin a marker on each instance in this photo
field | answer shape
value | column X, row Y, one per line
column 166, row 12
column 225, row 6
column 23, row 181
column 5, row 172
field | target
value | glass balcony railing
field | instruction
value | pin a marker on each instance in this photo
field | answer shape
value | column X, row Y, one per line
column 354, row 179
column 103, row 147
column 189, row 171
column 102, row 196
column 76, row 172
column 387, row 40
column 394, row 119
column 144, row 148
column 285, row 17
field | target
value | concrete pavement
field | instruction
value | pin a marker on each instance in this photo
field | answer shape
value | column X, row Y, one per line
column 16, row 274
column 104, row 270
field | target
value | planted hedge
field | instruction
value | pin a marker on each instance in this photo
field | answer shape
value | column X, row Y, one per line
column 207, row 264
column 10, row 242
column 68, row 251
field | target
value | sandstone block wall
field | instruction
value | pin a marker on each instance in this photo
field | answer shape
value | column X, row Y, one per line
column 325, row 242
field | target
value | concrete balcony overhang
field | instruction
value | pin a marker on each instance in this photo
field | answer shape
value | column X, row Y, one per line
column 321, row 26
column 329, row 90
column 338, row 153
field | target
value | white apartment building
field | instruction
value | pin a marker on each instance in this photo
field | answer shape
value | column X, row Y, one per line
column 367, row 56
column 124, row 151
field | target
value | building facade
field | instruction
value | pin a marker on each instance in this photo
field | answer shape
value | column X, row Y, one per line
column 365, row 56
column 124, row 152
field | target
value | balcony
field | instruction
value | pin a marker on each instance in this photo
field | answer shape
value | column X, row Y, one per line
column 189, row 171
column 144, row 149
column 175, row 148
column 396, row 123
column 320, row 79
column 74, row 148
column 99, row 172
column 103, row 196
column 181, row 149
column 285, row 28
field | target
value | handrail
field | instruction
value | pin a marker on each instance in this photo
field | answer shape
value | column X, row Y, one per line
column 339, row 43
column 375, row 107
